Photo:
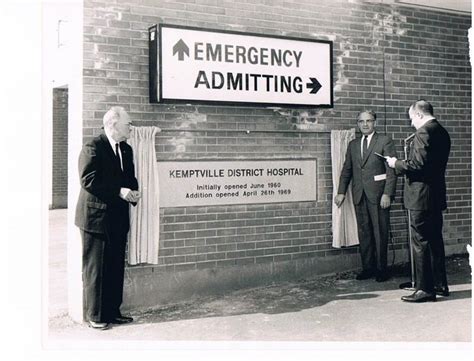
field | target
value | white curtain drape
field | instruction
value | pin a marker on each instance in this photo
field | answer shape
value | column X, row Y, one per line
column 144, row 233
column 344, row 224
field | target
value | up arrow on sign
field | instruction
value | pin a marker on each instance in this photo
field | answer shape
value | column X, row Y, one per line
column 314, row 85
column 181, row 48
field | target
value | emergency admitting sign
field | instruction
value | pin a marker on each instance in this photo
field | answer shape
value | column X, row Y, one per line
column 202, row 65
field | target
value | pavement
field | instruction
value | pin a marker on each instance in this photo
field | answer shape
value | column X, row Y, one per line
column 335, row 308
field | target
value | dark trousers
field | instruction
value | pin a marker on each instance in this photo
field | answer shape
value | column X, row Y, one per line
column 373, row 224
column 428, row 249
column 103, row 265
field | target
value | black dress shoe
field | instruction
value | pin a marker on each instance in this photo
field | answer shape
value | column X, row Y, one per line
column 420, row 296
column 119, row 320
column 382, row 276
column 98, row 325
column 364, row 275
column 442, row 291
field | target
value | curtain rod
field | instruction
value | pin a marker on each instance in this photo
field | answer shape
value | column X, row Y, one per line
column 248, row 131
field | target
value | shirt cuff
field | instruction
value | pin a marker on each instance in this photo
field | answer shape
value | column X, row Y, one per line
column 124, row 192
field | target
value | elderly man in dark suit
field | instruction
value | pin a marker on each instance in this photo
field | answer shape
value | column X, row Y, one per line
column 108, row 187
column 373, row 187
column 425, row 197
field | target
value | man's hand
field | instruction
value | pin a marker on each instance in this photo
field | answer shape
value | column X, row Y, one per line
column 136, row 195
column 130, row 196
column 391, row 161
column 385, row 201
column 339, row 199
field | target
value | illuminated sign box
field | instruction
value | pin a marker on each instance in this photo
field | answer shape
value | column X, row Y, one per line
column 213, row 66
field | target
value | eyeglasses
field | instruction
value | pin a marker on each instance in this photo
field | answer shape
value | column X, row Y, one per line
column 361, row 121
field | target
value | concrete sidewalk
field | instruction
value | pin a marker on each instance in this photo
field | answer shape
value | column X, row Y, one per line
column 332, row 308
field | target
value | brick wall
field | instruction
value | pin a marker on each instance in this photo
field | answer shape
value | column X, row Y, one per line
column 385, row 57
column 60, row 134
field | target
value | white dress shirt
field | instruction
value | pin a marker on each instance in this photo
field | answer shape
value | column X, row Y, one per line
column 123, row 191
column 112, row 144
column 369, row 138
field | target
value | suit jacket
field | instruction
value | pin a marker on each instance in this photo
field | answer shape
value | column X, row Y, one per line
column 425, row 186
column 99, row 206
column 363, row 172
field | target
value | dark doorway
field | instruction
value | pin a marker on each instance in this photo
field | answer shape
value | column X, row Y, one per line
column 60, row 143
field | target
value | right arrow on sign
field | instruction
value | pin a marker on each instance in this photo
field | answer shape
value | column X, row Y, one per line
column 314, row 85
column 181, row 48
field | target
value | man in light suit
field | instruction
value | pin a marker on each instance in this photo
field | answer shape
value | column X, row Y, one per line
column 108, row 187
column 425, row 197
column 373, row 187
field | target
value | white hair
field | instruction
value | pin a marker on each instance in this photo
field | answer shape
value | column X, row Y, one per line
column 112, row 116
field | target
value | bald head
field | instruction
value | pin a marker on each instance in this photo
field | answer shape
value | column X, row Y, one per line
column 420, row 112
column 423, row 107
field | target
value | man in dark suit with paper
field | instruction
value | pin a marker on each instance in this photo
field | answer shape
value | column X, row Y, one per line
column 373, row 187
column 108, row 186
column 425, row 198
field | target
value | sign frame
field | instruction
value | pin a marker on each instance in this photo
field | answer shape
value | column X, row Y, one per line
column 157, row 94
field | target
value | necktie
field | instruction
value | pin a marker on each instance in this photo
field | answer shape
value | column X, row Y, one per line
column 117, row 155
column 364, row 147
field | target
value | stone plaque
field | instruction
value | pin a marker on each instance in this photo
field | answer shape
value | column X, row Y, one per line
column 203, row 183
